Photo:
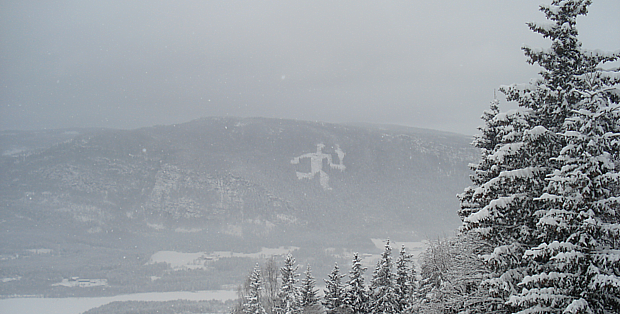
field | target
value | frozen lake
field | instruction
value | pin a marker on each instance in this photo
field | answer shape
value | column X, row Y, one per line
column 80, row 305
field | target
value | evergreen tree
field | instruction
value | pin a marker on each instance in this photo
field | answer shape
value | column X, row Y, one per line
column 334, row 292
column 252, row 303
column 289, row 298
column 575, row 268
column 545, row 193
column 498, row 144
column 308, row 291
column 383, row 297
column 356, row 296
column 500, row 205
column 405, row 279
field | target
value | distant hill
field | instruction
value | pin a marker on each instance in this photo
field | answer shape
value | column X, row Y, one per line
column 230, row 183
column 247, row 177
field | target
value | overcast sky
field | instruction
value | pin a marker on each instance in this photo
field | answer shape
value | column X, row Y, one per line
column 130, row 64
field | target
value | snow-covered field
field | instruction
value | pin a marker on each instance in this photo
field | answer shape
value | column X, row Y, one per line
column 80, row 305
column 82, row 283
column 180, row 260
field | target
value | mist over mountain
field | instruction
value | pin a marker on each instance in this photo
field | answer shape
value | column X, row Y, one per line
column 229, row 184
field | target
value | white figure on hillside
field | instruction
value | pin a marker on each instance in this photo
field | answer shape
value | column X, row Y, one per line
column 316, row 164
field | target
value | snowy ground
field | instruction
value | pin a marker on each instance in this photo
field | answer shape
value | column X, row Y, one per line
column 179, row 260
column 82, row 283
column 80, row 305
column 200, row 260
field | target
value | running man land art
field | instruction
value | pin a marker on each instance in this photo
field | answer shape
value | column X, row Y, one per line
column 316, row 164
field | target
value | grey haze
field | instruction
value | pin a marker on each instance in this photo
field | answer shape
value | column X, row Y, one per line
column 130, row 64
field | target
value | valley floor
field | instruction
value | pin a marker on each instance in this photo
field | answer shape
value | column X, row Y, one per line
column 80, row 305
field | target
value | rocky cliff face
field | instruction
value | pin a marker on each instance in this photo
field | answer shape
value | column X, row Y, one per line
column 279, row 180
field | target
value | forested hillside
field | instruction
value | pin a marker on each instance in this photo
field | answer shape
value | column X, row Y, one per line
column 166, row 201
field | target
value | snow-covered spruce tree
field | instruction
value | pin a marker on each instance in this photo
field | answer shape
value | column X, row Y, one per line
column 500, row 206
column 499, row 144
column 576, row 267
column 308, row 291
column 289, row 298
column 356, row 295
column 251, row 302
column 334, row 293
column 405, row 280
column 382, row 296
column 546, row 196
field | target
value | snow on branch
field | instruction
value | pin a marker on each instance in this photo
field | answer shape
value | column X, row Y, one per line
column 548, row 197
column 577, row 306
column 485, row 212
column 509, row 175
column 520, row 173
column 521, row 87
column 545, row 250
column 536, row 280
column 607, row 259
column 597, row 53
column 605, row 282
column 537, row 296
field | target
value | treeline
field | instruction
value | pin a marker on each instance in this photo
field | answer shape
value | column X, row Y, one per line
column 448, row 282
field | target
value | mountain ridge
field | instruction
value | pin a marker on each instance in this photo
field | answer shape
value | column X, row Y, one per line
column 183, row 169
